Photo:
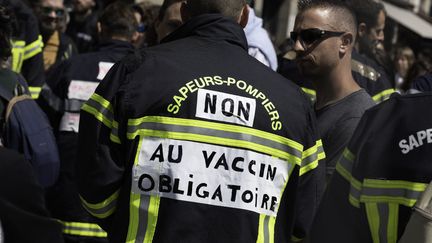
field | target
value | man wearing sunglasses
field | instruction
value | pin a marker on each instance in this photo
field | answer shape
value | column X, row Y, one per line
column 324, row 35
column 57, row 46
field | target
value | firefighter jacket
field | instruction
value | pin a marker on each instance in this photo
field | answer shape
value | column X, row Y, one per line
column 382, row 172
column 366, row 72
column 70, row 84
column 193, row 140
column 372, row 77
column 27, row 47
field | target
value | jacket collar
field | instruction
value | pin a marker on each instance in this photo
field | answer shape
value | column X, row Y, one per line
column 214, row 26
column 110, row 44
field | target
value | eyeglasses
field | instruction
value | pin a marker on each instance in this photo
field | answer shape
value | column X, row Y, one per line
column 48, row 10
column 310, row 36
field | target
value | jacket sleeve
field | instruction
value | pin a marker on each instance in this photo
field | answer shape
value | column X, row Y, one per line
column 33, row 65
column 311, row 180
column 54, row 92
column 340, row 217
column 101, row 161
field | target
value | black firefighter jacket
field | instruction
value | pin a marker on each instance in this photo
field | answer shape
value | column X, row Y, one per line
column 195, row 141
column 70, row 84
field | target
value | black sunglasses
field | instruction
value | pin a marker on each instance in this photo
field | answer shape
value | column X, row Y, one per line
column 310, row 36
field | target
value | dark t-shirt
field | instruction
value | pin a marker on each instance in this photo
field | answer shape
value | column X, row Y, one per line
column 336, row 124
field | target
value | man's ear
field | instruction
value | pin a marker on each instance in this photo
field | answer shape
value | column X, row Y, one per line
column 184, row 12
column 244, row 16
column 347, row 42
column 362, row 29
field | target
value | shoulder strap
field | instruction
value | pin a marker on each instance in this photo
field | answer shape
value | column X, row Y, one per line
column 13, row 101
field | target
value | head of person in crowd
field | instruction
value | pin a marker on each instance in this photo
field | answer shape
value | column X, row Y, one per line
column 371, row 17
column 50, row 14
column 118, row 22
column 236, row 10
column 5, row 35
column 403, row 59
column 83, row 7
column 421, row 66
column 323, row 36
column 169, row 18
column 147, row 29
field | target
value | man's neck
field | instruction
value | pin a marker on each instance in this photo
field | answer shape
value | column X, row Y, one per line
column 334, row 87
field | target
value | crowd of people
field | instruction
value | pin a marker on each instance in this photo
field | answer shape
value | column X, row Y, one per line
column 134, row 122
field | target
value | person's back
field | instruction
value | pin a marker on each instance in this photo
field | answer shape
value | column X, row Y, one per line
column 383, row 171
column 70, row 84
column 23, row 214
column 199, row 149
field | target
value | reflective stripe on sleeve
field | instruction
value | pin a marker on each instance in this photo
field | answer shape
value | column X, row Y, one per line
column 103, row 209
column 33, row 48
column 17, row 55
column 35, row 91
column 391, row 191
column 383, row 95
column 102, row 110
column 344, row 168
column 216, row 133
column 83, row 229
column 311, row 157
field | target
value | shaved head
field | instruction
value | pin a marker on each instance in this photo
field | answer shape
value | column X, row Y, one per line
column 228, row 8
column 342, row 17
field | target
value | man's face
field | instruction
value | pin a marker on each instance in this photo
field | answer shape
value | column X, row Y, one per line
column 170, row 22
column 49, row 13
column 374, row 37
column 316, row 54
column 82, row 6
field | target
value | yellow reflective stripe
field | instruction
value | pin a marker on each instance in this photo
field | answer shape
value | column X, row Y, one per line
column 33, row 48
column 114, row 133
column 217, row 140
column 260, row 238
column 102, row 101
column 83, row 229
column 344, row 167
column 311, row 157
column 134, row 205
column 374, row 221
column 143, row 214
column 99, row 116
column 133, row 217
column 295, row 239
column 383, row 95
column 392, row 191
column 35, row 91
column 153, row 212
column 309, row 91
column 217, row 126
column 103, row 209
column 17, row 55
column 266, row 229
column 392, row 225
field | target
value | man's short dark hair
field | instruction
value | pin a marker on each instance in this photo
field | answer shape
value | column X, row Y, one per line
column 343, row 14
column 366, row 11
column 228, row 8
column 5, row 33
column 118, row 20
